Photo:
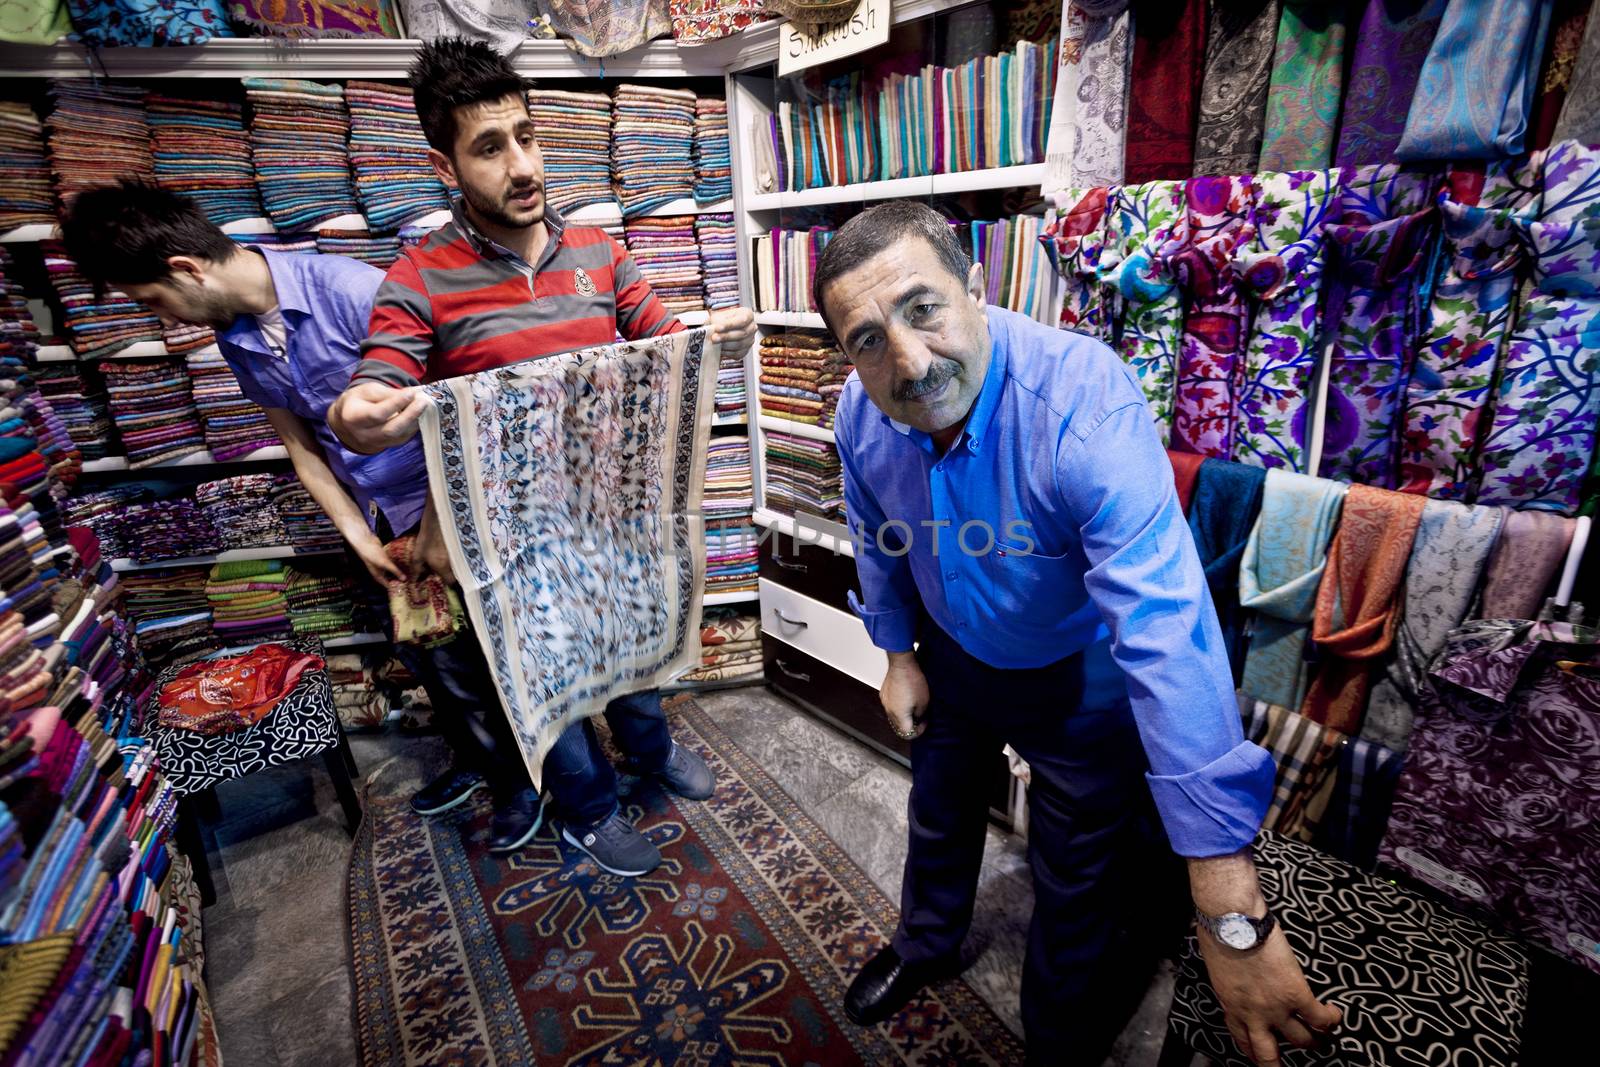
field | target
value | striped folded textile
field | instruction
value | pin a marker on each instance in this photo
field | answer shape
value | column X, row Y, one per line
column 26, row 194
column 298, row 136
column 574, row 131
column 652, row 146
column 802, row 373
column 233, row 425
column 389, row 157
column 719, row 260
column 713, row 160
column 665, row 251
column 380, row 251
column 201, row 151
column 97, row 324
column 99, row 132
column 241, row 509
column 153, row 410
column 803, row 476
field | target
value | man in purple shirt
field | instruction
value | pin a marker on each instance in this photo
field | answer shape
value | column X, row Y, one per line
column 1013, row 508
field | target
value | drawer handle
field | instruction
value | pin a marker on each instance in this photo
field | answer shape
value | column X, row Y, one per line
column 796, row 623
column 798, row 676
column 786, row 565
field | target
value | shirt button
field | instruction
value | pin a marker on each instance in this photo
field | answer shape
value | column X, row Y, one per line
column 950, row 575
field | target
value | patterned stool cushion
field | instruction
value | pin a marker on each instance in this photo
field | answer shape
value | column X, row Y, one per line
column 1418, row 983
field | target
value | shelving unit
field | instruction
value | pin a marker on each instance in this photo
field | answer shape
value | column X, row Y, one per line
column 34, row 231
column 270, row 454
column 232, row 555
column 355, row 641
column 900, row 188
column 799, row 429
column 807, row 320
column 714, row 599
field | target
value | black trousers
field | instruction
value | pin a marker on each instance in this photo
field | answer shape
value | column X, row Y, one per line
column 468, row 713
column 1108, row 892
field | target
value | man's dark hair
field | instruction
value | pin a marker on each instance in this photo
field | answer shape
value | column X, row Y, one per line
column 879, row 227
column 123, row 234
column 453, row 72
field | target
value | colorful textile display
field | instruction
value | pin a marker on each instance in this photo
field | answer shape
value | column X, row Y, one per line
column 381, row 252
column 233, row 426
column 1568, row 19
column 167, row 529
column 1478, row 84
column 802, row 375
column 1306, row 755
column 803, row 475
column 298, row 134
column 1305, row 88
column 1169, row 47
column 389, row 157
column 574, row 131
column 732, row 395
column 784, row 262
column 503, row 23
column 607, row 29
column 97, row 510
column 1222, row 514
column 181, row 338
column 1530, row 552
column 307, row 525
column 1580, row 111
column 1016, row 267
column 241, row 509
column 1358, row 601
column 718, row 240
column 1233, row 92
column 1495, row 804
column 1391, row 44
column 1100, row 35
column 98, row 133
column 148, row 23
column 708, row 20
column 1447, row 559
column 170, row 613
column 1147, row 219
column 99, row 324
column 25, row 191
column 652, row 143
column 247, row 602
column 730, row 647
column 727, row 505
column 425, row 609
column 219, row 696
column 713, row 159
column 616, row 571
column 153, row 411
column 665, row 252
column 320, row 604
column 1075, row 239
column 318, row 18
column 80, row 405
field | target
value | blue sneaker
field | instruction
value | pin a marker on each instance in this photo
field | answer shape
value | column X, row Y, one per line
column 450, row 790
column 515, row 823
column 616, row 846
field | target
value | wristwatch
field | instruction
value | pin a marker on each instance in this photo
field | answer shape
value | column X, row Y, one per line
column 1237, row 930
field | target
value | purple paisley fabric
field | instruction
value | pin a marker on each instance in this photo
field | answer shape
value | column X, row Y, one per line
column 1391, row 44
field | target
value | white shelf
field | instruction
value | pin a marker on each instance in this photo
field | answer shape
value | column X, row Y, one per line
column 232, row 555
column 110, row 463
column 54, row 354
column 896, row 188
column 694, row 318
column 142, row 350
column 353, row 223
column 799, row 429
column 809, row 530
column 809, row 320
column 355, row 640
column 34, row 231
column 257, row 225
column 740, row 419
column 715, row 599
column 270, row 454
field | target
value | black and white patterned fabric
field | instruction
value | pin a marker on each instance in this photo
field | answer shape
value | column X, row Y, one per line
column 303, row 724
column 1418, row 983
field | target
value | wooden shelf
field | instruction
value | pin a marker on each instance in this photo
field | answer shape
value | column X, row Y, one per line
column 232, row 555
column 34, row 231
column 799, row 429
column 809, row 320
column 715, row 599
column 898, row 188
column 141, row 350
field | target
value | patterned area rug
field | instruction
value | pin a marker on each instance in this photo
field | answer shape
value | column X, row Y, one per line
column 737, row 950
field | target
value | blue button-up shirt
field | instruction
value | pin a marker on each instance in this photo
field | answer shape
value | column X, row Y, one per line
column 326, row 303
column 1060, row 464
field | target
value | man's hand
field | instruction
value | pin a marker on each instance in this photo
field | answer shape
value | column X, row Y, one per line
column 430, row 552
column 904, row 695
column 370, row 551
column 732, row 328
column 370, row 416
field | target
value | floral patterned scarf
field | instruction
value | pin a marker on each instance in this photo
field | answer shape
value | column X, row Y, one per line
column 318, row 18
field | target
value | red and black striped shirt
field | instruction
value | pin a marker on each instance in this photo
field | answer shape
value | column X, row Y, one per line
column 459, row 303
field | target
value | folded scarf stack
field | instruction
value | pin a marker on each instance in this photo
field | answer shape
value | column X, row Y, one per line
column 719, row 259
column 803, row 475
column 26, row 195
column 389, row 157
column 19, row 334
column 321, row 604
column 182, row 337
column 381, row 252
column 652, row 146
column 169, row 611
column 802, row 374
column 298, row 132
column 241, row 509
column 80, row 406
column 38, row 419
column 727, row 504
column 731, row 393
column 166, row 529
column 730, row 646
column 307, row 525
column 665, row 252
column 356, row 696
column 98, row 325
column 201, row 151
column 234, row 426
column 574, row 131
column 154, row 413
column 98, row 133
column 299, row 243
column 713, row 161
column 247, row 600
column 98, row 511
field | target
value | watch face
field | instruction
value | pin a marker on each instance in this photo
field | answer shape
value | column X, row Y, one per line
column 1237, row 932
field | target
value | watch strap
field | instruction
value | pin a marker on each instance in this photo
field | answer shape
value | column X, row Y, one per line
column 1263, row 926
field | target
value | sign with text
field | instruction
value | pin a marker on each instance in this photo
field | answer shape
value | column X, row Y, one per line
column 867, row 27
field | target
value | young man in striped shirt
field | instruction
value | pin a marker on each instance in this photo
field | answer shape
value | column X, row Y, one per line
column 507, row 281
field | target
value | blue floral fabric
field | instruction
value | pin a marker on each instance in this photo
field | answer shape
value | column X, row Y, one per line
column 144, row 23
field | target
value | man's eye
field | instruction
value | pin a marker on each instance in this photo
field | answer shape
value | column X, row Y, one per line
column 490, row 150
column 922, row 311
column 526, row 140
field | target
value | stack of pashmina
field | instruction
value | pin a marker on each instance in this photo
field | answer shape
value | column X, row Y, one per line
column 731, row 393
column 234, row 426
column 98, row 325
column 241, row 510
column 389, row 156
column 298, row 243
column 167, row 529
column 19, row 334
column 727, row 505
column 307, row 525
column 297, row 135
column 652, row 143
column 79, row 405
column 181, row 338
column 97, row 511
column 153, row 412
column 25, row 191
column 802, row 374
column 574, row 131
column 356, row 696
column 730, row 647
column 713, row 160
column 719, row 242
column 170, row 613
column 247, row 600
column 98, row 133
column 201, row 151
column 381, row 252
column 321, row 604
column 804, row 476
column 664, row 250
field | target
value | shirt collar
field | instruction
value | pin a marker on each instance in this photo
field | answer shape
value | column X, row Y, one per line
column 981, row 417
column 489, row 248
column 243, row 331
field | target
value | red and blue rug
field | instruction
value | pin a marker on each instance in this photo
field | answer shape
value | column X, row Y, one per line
column 737, row 950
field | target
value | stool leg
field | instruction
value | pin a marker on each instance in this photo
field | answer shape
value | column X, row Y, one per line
column 192, row 844
column 349, row 756
column 339, row 762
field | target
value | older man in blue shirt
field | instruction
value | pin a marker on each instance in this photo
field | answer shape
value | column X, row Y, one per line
column 1013, row 509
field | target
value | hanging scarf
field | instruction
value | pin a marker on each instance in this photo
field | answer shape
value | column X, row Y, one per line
column 710, row 20
column 1306, row 755
column 34, row 21
column 1391, row 45
column 1378, row 251
column 1075, row 241
column 1478, row 83
column 1185, row 468
column 1147, row 219
column 1447, row 559
column 1568, row 21
column 1531, row 550
column 1233, row 92
column 148, row 23
column 1169, row 49
column 1227, row 499
column 1358, row 810
column 1358, row 601
column 1483, row 215
column 1281, row 267
column 426, row 609
column 1215, row 317
column 1279, row 575
column 568, row 489
column 1580, row 111
column 1307, row 80
column 502, row 23
column 1548, row 402
column 318, row 18
column 607, row 27
column 1103, row 32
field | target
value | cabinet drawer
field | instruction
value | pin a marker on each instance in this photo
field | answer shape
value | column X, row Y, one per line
column 835, row 637
column 816, row 572
column 831, row 695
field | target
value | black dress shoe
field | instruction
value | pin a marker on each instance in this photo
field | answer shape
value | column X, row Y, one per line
column 888, row 982
column 515, row 823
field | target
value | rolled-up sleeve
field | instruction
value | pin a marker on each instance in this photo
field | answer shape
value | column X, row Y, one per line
column 889, row 602
column 1211, row 786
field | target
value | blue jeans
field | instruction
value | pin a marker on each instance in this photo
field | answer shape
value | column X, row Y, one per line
column 577, row 772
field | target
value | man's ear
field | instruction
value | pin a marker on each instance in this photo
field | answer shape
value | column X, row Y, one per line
column 442, row 166
column 187, row 267
column 976, row 286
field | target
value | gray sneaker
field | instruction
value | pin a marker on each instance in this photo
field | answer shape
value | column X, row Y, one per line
column 616, row 845
column 686, row 774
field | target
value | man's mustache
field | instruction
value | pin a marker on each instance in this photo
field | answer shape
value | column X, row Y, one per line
column 937, row 375
column 524, row 190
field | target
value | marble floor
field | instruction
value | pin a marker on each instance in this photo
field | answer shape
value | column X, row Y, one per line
column 276, row 938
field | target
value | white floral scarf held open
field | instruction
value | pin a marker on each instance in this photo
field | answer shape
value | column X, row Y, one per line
column 569, row 492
